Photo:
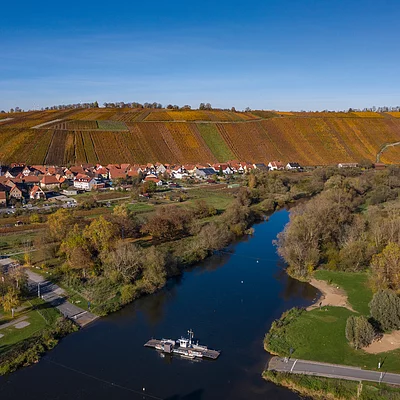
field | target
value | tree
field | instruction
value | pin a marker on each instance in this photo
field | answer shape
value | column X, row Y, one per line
column 60, row 223
column 11, row 300
column 202, row 106
column 100, row 234
column 359, row 332
column 125, row 263
column 385, row 309
column 75, row 247
column 385, row 268
column 154, row 274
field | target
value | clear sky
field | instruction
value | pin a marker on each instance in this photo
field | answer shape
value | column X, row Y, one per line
column 264, row 54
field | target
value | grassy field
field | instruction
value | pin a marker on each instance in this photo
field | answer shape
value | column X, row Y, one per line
column 323, row 388
column 319, row 334
column 355, row 285
column 37, row 313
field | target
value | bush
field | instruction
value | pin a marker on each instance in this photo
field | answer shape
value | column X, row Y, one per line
column 359, row 332
column 385, row 309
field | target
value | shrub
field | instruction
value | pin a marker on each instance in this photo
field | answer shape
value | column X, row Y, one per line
column 359, row 332
column 385, row 309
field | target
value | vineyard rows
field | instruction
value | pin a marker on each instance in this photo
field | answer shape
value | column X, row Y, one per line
column 307, row 138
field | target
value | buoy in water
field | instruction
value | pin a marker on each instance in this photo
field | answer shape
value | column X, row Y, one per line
column 241, row 281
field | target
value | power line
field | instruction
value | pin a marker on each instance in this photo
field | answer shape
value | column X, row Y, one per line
column 116, row 385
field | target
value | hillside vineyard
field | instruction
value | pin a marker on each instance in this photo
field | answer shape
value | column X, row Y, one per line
column 105, row 135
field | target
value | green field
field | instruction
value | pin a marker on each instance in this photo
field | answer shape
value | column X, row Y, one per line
column 38, row 313
column 354, row 283
column 215, row 142
column 319, row 334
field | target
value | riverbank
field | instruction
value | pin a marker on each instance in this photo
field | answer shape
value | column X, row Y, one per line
column 331, row 295
column 318, row 334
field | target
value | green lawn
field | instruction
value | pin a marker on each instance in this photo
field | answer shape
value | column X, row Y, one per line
column 215, row 142
column 140, row 207
column 319, row 335
column 15, row 242
column 354, row 283
column 39, row 319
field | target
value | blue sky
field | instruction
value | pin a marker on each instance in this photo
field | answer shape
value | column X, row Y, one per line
column 286, row 55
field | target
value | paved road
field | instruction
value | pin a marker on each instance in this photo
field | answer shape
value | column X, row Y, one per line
column 332, row 371
column 56, row 296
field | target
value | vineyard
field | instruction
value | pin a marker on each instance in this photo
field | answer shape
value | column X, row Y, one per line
column 195, row 136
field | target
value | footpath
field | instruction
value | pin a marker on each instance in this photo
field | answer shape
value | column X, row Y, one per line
column 56, row 296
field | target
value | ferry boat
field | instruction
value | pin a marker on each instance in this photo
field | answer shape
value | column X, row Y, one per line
column 184, row 347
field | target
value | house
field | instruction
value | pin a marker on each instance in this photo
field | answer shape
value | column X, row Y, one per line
column 261, row 167
column 37, row 193
column 293, row 166
column 49, row 182
column 3, row 198
column 347, row 165
column 84, row 182
column 275, row 165
column 224, row 168
column 17, row 192
column 153, row 178
column 116, row 173
column 14, row 172
column 204, row 173
column 68, row 174
column 101, row 172
column 31, row 180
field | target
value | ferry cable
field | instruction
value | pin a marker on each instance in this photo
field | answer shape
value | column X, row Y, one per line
column 244, row 256
column 116, row 385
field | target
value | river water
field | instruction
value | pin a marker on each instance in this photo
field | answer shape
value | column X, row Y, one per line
column 229, row 301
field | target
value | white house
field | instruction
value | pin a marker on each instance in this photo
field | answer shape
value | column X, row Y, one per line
column 275, row 165
column 293, row 166
column 84, row 182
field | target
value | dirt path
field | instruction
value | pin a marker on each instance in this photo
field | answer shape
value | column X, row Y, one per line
column 386, row 146
column 331, row 296
column 389, row 341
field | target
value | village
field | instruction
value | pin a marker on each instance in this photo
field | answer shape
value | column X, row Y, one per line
column 24, row 185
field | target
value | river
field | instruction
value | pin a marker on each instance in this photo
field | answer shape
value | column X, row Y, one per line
column 229, row 301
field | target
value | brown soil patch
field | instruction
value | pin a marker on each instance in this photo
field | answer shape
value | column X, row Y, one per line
column 389, row 341
column 331, row 296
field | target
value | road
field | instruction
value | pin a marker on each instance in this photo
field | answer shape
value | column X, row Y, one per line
column 56, row 296
column 332, row 371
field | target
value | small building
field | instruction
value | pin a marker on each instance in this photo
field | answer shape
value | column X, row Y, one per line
column 379, row 166
column 71, row 191
column 49, row 182
column 261, row 167
column 204, row 173
column 275, row 165
column 293, row 166
column 37, row 193
column 347, row 165
column 153, row 178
